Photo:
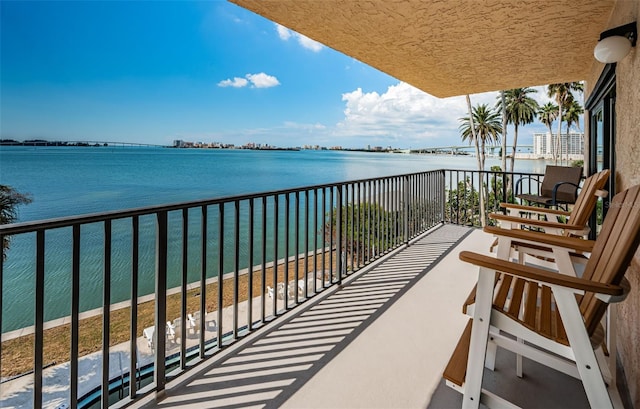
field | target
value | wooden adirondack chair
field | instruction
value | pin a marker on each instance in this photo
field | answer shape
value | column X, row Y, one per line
column 519, row 216
column 575, row 224
column 557, row 315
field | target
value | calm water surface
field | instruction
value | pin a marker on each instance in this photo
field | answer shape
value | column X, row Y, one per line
column 71, row 181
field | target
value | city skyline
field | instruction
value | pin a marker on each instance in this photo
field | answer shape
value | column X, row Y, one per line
column 207, row 71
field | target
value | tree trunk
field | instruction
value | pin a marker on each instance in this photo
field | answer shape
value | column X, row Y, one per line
column 507, row 182
column 557, row 142
column 553, row 148
column 566, row 143
column 515, row 145
column 504, row 132
column 480, row 164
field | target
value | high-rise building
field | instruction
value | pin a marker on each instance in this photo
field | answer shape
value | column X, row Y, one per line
column 572, row 143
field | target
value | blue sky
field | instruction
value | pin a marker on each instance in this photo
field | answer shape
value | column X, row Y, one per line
column 152, row 72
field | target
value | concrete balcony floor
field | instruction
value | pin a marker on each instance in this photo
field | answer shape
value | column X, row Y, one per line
column 380, row 341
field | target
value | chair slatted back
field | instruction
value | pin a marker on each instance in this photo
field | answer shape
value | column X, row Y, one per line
column 613, row 251
column 588, row 198
column 559, row 174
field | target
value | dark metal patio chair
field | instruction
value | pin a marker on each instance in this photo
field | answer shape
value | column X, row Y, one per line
column 559, row 186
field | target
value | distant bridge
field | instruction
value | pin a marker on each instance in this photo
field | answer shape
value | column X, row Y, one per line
column 42, row 142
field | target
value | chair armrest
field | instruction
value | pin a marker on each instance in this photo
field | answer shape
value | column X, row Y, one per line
column 519, row 181
column 554, row 192
column 569, row 243
column 535, row 209
column 539, row 275
column 534, row 222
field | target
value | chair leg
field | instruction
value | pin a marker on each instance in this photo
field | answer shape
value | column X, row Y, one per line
column 585, row 357
column 492, row 349
column 479, row 338
column 519, row 360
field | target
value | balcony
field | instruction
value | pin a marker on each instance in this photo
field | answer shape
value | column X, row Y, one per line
column 382, row 340
column 368, row 312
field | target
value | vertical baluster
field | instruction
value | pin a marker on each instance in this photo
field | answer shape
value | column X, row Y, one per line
column 358, row 221
column 236, row 267
column 376, row 219
column 250, row 271
column 183, row 290
column 324, row 235
column 394, row 208
column 133, row 336
column 315, row 240
column 220, row 284
column 331, row 241
column 406, row 209
column 106, row 313
column 275, row 256
column 297, row 244
column 369, row 223
column 39, row 320
column 352, row 224
column 417, row 205
column 203, row 277
column 1, row 289
column 161, row 299
column 306, row 244
column 287, row 205
column 264, row 261
column 383, row 216
column 75, row 321
column 339, row 249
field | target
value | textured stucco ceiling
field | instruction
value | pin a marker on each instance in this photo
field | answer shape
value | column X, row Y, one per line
column 454, row 47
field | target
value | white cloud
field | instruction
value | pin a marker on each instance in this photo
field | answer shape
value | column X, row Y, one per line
column 402, row 112
column 309, row 44
column 263, row 80
column 236, row 83
column 260, row 80
column 285, row 34
column 404, row 116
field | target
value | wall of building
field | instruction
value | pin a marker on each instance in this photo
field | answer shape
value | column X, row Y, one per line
column 628, row 174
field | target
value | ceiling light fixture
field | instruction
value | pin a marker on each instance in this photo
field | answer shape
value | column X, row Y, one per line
column 616, row 43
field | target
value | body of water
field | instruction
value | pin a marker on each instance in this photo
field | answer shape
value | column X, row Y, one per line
column 68, row 181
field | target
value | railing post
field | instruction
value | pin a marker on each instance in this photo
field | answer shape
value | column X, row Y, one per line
column 1, row 280
column 38, row 341
column 203, row 301
column 236, row 268
column 339, row 234
column 443, row 195
column 406, row 210
column 287, row 206
column 250, row 240
column 203, row 274
column 183, row 290
column 133, row 346
column 75, row 312
column 106, row 312
column 161, row 301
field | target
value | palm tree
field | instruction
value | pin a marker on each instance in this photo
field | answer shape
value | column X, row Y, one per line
column 547, row 114
column 10, row 199
column 481, row 126
column 503, row 151
column 521, row 110
column 562, row 92
column 572, row 114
